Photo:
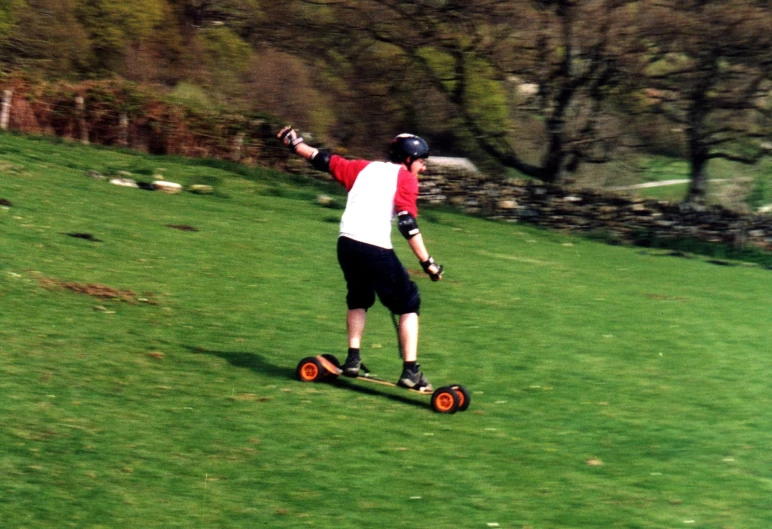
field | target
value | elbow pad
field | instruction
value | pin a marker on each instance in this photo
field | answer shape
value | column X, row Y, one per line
column 407, row 225
column 321, row 160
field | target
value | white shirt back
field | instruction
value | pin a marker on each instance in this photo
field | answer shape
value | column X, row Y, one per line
column 370, row 205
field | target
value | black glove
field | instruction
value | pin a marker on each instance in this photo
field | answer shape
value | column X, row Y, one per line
column 427, row 264
column 290, row 138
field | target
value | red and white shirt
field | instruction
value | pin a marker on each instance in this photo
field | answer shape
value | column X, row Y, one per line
column 376, row 192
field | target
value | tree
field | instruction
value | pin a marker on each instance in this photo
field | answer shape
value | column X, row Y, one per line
column 574, row 57
column 8, row 11
column 467, row 53
column 46, row 36
column 707, row 66
column 114, row 27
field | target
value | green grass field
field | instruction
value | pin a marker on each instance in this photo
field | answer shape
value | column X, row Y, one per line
column 611, row 387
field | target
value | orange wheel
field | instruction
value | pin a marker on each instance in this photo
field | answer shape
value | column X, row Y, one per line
column 464, row 399
column 309, row 370
column 445, row 400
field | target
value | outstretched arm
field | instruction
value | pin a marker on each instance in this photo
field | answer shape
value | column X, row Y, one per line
column 296, row 143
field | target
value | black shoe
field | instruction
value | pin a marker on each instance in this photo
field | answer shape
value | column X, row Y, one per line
column 352, row 366
column 414, row 379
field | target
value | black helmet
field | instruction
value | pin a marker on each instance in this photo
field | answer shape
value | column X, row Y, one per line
column 408, row 148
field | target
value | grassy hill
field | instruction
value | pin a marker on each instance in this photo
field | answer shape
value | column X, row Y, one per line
column 147, row 370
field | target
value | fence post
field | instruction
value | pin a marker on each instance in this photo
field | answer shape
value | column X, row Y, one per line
column 238, row 143
column 5, row 113
column 123, row 134
column 80, row 109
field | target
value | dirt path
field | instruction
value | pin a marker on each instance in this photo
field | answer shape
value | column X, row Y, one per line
column 660, row 183
column 652, row 184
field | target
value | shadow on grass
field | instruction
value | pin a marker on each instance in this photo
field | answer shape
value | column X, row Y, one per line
column 246, row 360
column 425, row 401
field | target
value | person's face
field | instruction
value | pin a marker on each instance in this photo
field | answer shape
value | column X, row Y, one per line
column 418, row 166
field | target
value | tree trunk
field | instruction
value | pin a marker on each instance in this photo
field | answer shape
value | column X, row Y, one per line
column 553, row 160
column 698, row 185
column 697, row 133
column 699, row 154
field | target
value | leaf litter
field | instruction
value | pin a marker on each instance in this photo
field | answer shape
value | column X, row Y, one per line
column 97, row 290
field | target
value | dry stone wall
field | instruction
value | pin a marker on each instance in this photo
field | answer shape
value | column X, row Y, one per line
column 628, row 218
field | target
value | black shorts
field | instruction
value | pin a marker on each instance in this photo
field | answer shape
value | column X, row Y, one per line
column 371, row 270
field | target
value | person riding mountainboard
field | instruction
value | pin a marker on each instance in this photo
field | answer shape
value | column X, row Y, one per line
column 378, row 192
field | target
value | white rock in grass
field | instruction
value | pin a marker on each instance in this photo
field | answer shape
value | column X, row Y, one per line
column 201, row 189
column 124, row 182
column 167, row 187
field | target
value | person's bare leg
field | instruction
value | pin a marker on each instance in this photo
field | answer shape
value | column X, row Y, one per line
column 355, row 324
column 408, row 336
column 412, row 377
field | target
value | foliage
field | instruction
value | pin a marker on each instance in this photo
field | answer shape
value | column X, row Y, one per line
column 8, row 13
column 226, row 50
column 47, row 37
column 760, row 194
column 115, row 26
column 479, row 90
column 291, row 89
column 191, row 95
column 122, row 113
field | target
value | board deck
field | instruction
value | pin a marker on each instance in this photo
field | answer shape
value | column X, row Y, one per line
column 335, row 370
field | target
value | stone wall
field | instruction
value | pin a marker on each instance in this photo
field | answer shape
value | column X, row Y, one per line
column 628, row 218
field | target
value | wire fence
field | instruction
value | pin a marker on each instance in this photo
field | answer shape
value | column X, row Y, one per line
column 116, row 114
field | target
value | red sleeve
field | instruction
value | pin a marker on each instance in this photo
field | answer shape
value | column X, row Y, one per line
column 346, row 171
column 407, row 193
